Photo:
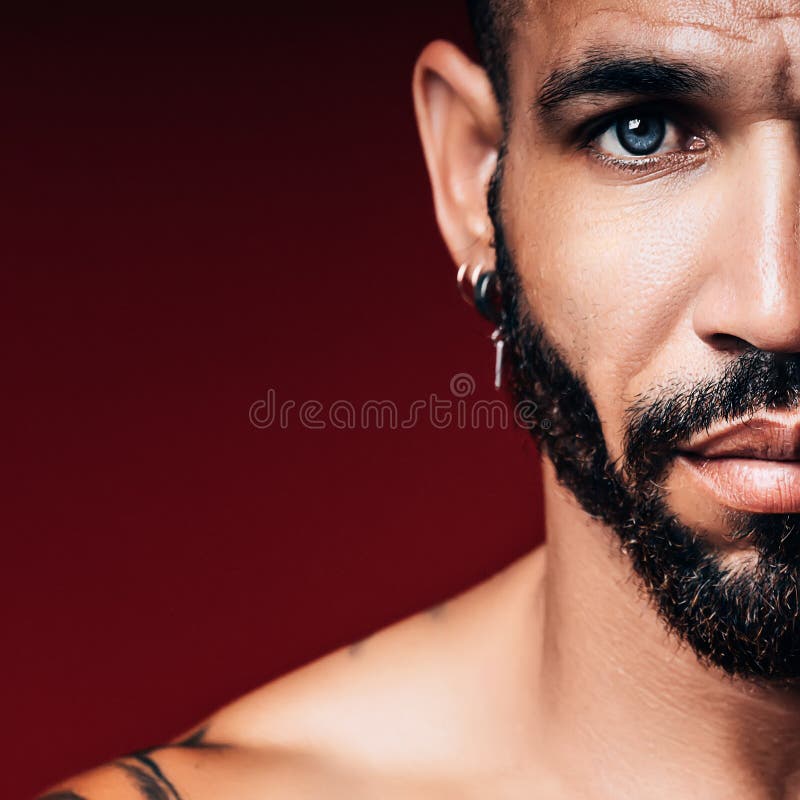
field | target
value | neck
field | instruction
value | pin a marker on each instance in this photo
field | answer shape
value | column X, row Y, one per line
column 645, row 717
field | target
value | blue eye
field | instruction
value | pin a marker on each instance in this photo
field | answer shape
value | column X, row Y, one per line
column 641, row 134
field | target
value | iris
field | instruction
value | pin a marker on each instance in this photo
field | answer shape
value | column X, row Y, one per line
column 641, row 135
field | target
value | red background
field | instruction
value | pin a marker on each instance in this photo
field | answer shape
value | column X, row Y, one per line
column 199, row 206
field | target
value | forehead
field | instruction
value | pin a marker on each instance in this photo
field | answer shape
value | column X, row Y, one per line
column 754, row 42
column 737, row 18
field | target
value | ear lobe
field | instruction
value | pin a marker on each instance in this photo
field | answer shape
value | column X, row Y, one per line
column 461, row 130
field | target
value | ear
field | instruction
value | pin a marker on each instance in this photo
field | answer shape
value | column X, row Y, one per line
column 461, row 130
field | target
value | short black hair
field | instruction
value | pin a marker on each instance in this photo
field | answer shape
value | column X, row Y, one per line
column 492, row 24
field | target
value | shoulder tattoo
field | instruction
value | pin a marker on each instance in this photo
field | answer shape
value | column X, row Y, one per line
column 145, row 773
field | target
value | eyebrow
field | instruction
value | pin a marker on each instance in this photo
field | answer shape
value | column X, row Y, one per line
column 607, row 73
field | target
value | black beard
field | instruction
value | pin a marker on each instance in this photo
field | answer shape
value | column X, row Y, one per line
column 744, row 620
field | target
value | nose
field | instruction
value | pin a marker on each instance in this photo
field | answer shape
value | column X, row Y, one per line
column 752, row 290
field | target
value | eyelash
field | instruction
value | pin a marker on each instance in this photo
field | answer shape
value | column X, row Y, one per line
column 636, row 164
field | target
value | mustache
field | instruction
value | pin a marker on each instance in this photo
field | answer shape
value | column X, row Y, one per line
column 657, row 423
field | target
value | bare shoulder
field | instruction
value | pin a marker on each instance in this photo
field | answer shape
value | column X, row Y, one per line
column 137, row 775
column 175, row 772
column 405, row 697
column 402, row 713
column 198, row 767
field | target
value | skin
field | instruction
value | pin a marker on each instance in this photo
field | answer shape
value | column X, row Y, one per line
column 556, row 678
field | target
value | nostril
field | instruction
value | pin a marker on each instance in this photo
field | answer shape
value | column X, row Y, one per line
column 729, row 343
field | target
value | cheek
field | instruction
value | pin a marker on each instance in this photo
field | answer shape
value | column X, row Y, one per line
column 610, row 269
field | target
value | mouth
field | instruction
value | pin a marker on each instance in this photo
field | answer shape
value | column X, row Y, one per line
column 753, row 465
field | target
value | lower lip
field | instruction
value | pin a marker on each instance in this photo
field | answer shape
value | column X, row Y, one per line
column 749, row 484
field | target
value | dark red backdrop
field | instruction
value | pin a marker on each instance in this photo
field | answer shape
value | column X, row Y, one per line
column 199, row 207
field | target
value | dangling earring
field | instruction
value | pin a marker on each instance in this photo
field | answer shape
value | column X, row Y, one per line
column 480, row 287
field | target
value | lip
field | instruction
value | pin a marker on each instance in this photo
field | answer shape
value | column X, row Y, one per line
column 771, row 438
column 751, row 465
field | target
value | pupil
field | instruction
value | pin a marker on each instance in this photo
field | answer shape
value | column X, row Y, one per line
column 641, row 135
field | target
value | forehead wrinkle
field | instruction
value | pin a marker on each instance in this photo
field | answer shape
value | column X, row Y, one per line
column 534, row 10
column 765, row 9
column 674, row 24
column 768, row 15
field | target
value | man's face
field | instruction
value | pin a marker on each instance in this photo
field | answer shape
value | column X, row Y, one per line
column 647, row 218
